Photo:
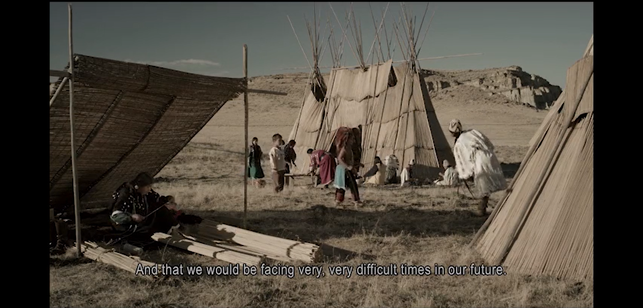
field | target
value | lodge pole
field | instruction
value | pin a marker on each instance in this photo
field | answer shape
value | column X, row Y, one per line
column 71, row 125
column 245, row 139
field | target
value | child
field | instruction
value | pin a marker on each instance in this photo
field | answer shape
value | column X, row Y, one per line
column 255, row 172
column 290, row 157
column 277, row 163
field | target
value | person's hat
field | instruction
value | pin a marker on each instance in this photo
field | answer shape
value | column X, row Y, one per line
column 455, row 126
column 143, row 179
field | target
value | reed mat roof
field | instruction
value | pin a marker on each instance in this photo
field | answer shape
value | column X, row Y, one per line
column 128, row 118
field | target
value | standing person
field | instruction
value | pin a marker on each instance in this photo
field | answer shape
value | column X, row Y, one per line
column 449, row 177
column 474, row 158
column 277, row 163
column 345, row 172
column 255, row 171
column 290, row 157
column 323, row 164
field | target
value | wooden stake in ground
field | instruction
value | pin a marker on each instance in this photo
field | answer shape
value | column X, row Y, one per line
column 245, row 139
column 71, row 124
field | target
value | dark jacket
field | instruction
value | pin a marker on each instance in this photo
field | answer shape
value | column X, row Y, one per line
column 128, row 201
column 290, row 154
column 255, row 155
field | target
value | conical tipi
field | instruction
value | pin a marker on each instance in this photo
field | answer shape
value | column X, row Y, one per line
column 390, row 103
column 545, row 223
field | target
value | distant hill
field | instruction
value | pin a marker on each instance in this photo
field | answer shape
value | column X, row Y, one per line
column 495, row 85
column 503, row 85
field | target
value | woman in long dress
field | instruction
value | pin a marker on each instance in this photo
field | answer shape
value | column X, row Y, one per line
column 255, row 171
column 323, row 165
column 347, row 164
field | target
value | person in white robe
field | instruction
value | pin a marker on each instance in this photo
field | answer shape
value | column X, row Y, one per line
column 449, row 177
column 475, row 158
column 406, row 176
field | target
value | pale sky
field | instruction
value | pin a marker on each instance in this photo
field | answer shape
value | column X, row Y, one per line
column 544, row 38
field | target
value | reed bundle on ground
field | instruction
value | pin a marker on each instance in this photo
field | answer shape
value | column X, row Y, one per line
column 221, row 253
column 214, row 233
column 110, row 256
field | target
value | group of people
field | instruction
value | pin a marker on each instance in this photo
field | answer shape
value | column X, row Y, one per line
column 475, row 161
column 326, row 167
column 342, row 170
column 474, row 155
column 138, row 207
column 386, row 173
column 282, row 159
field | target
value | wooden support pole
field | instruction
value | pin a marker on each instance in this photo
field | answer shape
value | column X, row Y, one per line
column 266, row 92
column 71, row 125
column 60, row 87
column 245, row 139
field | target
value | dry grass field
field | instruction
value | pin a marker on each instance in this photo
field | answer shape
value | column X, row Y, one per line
column 416, row 226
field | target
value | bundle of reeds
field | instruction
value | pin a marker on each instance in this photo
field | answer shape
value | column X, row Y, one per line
column 223, row 254
column 272, row 247
column 110, row 256
column 235, row 247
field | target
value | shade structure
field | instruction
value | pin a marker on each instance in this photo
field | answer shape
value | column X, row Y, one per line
column 129, row 118
column 390, row 103
column 545, row 223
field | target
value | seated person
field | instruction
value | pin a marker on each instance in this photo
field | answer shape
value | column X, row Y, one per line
column 392, row 164
column 450, row 176
column 377, row 174
column 58, row 235
column 137, row 204
column 406, row 178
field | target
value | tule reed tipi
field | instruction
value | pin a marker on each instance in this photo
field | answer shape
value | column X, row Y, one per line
column 545, row 223
column 389, row 102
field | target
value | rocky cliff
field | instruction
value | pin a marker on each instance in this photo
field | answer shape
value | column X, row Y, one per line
column 508, row 84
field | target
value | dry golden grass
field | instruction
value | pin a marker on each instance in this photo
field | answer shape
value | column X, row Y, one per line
column 414, row 226
column 421, row 226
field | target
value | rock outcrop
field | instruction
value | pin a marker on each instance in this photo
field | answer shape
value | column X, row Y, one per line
column 511, row 82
